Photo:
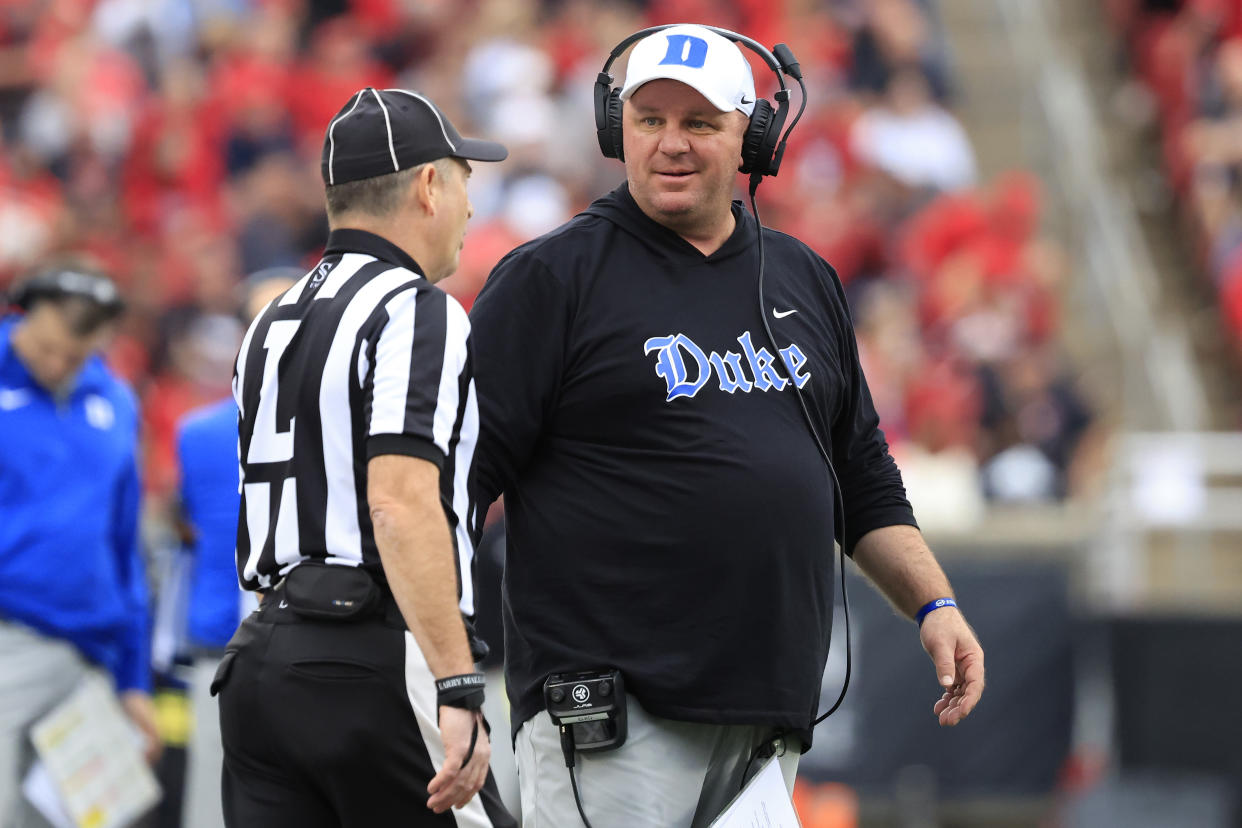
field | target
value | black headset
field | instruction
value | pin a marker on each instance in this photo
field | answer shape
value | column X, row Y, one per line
column 762, row 148
column 61, row 282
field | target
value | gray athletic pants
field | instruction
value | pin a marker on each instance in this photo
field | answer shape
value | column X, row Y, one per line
column 202, row 806
column 37, row 672
column 667, row 774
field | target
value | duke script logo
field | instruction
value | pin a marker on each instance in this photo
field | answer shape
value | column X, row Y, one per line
column 686, row 369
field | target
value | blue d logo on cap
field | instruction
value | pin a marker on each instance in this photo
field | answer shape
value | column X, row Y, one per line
column 686, row 50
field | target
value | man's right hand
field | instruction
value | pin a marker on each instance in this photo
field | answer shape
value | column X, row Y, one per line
column 141, row 711
column 454, row 785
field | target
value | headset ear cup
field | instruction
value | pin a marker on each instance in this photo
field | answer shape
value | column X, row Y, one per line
column 608, row 105
column 758, row 145
column 604, row 94
column 613, row 116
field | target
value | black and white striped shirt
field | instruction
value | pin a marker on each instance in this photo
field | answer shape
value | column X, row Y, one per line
column 361, row 357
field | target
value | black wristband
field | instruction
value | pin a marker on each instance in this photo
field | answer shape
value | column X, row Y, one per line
column 464, row 691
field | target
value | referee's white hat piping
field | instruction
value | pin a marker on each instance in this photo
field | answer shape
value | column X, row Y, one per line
column 698, row 57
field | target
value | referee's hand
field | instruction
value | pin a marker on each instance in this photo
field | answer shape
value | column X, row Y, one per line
column 454, row 785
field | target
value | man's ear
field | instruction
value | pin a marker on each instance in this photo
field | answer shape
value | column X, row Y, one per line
column 426, row 186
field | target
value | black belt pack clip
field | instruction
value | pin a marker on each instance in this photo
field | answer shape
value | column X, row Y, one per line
column 330, row 592
column 589, row 708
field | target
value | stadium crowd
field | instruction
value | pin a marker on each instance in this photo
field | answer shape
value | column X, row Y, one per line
column 1187, row 56
column 177, row 144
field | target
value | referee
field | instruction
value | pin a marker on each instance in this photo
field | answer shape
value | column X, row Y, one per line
column 357, row 429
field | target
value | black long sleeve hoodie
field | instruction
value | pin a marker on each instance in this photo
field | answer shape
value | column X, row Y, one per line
column 668, row 513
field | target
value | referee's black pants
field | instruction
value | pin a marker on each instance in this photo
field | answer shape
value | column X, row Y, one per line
column 332, row 724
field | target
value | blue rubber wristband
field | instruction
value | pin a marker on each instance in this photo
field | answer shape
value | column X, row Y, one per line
column 932, row 605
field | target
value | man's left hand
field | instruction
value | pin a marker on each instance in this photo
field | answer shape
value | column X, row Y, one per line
column 955, row 651
column 141, row 711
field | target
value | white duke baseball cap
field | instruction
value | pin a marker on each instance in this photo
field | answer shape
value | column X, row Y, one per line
column 698, row 57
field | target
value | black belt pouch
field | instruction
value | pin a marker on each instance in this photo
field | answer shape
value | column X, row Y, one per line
column 330, row 593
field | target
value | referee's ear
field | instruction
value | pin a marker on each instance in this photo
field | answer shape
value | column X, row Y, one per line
column 426, row 188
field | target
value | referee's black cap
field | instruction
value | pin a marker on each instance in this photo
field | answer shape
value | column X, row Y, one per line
column 382, row 131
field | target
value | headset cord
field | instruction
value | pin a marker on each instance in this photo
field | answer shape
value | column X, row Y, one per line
column 838, row 503
column 567, row 748
column 573, row 781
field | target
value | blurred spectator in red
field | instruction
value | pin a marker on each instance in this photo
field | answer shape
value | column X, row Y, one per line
column 199, row 336
column 890, row 350
column 338, row 65
column 250, row 73
column 939, row 464
column 487, row 244
column 31, row 210
column 175, row 161
column 1190, row 62
column 88, row 95
column 199, row 361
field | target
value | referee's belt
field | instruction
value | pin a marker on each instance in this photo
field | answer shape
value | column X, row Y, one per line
column 333, row 592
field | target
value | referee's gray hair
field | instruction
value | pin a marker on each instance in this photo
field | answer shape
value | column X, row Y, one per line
column 376, row 196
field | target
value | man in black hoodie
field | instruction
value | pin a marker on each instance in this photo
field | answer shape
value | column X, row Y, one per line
column 668, row 512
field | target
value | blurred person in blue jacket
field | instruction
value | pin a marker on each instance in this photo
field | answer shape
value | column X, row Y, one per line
column 73, row 596
column 207, row 457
